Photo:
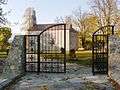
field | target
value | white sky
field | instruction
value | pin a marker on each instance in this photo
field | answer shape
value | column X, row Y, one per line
column 46, row 10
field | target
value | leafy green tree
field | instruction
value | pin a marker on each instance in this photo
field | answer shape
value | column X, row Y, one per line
column 86, row 23
column 5, row 34
column 89, row 25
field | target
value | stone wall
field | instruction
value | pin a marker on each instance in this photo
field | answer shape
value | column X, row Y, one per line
column 114, row 58
column 2, row 64
column 73, row 40
column 14, row 63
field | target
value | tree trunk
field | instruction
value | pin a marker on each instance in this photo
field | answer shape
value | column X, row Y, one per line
column 83, row 42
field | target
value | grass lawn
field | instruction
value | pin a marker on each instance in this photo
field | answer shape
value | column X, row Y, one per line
column 83, row 58
column 3, row 54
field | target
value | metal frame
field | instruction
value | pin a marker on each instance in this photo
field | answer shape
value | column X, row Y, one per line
column 46, row 56
column 31, row 53
column 100, row 49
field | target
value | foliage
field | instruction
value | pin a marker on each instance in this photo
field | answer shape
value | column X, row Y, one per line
column 3, row 53
column 86, row 24
column 5, row 34
column 102, row 13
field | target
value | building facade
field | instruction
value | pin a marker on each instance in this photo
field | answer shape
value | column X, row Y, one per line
column 32, row 28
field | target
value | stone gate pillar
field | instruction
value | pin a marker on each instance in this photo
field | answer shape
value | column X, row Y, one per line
column 114, row 59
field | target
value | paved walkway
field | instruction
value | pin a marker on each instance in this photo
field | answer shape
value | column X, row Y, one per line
column 76, row 78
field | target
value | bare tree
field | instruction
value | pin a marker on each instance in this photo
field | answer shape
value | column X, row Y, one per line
column 59, row 20
column 3, row 20
column 3, row 1
column 79, row 22
column 106, row 11
column 85, row 23
column 66, row 19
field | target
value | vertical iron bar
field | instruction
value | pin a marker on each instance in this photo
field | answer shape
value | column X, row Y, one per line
column 93, row 55
column 103, row 48
column 45, row 42
column 65, row 48
column 112, row 30
column 25, row 52
column 107, row 54
column 52, row 63
column 38, row 54
column 42, row 53
column 100, row 54
column 58, row 45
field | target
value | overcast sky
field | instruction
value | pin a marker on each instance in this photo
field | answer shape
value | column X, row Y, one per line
column 46, row 10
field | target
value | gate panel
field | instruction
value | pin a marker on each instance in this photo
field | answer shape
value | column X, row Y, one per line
column 31, row 44
column 46, row 52
column 100, row 50
column 52, row 49
column 100, row 54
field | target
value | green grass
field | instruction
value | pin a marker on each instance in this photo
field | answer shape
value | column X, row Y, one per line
column 3, row 54
column 83, row 54
column 83, row 58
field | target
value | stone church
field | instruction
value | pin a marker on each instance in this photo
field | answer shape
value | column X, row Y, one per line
column 31, row 27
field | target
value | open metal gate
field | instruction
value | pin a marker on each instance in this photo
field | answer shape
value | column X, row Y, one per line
column 31, row 48
column 100, row 49
column 46, row 52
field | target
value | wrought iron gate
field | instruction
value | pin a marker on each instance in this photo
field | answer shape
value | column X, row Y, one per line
column 31, row 46
column 46, row 52
column 100, row 49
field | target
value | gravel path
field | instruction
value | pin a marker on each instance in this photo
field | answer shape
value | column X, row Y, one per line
column 76, row 78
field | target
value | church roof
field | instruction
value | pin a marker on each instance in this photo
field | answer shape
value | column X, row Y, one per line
column 40, row 27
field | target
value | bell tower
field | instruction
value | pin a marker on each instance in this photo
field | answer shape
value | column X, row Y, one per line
column 29, row 19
